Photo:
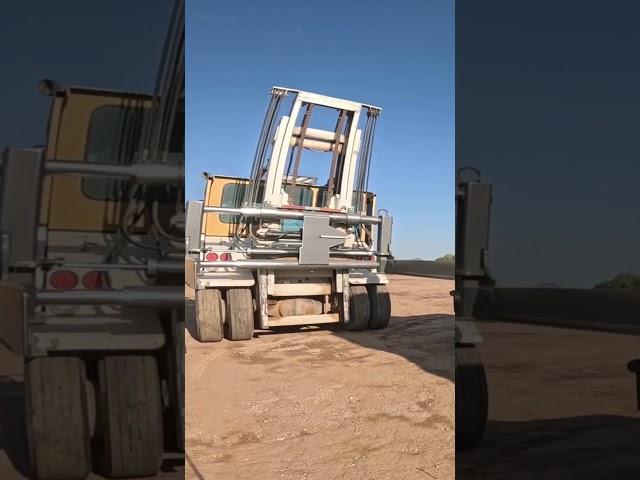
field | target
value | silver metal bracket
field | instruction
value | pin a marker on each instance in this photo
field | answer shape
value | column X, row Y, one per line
column 317, row 238
column 263, row 294
column 345, row 296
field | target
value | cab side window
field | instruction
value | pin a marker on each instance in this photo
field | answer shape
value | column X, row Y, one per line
column 114, row 137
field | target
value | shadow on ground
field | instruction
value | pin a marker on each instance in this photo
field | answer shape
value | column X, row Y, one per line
column 569, row 401
column 13, row 438
column 587, row 447
column 425, row 340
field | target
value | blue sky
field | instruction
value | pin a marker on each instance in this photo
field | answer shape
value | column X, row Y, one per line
column 397, row 55
column 95, row 46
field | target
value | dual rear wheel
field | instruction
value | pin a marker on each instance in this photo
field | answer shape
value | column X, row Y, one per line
column 113, row 423
column 231, row 317
column 369, row 307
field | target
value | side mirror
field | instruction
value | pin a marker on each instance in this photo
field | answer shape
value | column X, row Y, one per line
column 50, row 87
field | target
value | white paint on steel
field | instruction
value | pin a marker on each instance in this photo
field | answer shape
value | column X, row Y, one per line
column 300, row 289
column 304, row 320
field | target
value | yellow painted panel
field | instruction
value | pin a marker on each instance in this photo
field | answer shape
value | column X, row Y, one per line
column 65, row 206
column 211, row 223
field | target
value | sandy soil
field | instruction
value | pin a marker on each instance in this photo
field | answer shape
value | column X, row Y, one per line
column 326, row 404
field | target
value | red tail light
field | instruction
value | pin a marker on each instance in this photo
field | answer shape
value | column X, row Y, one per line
column 96, row 280
column 225, row 257
column 63, row 279
column 211, row 256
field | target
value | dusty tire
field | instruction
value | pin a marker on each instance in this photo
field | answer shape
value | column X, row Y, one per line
column 209, row 317
column 359, row 308
column 471, row 398
column 239, row 325
column 380, row 301
column 130, row 416
column 57, row 419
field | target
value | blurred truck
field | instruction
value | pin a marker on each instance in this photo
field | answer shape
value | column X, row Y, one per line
column 91, row 265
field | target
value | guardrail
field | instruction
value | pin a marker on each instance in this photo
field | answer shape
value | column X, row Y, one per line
column 422, row 268
column 614, row 311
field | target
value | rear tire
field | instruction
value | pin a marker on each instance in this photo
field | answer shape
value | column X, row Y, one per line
column 57, row 418
column 239, row 325
column 380, row 306
column 359, row 308
column 471, row 398
column 210, row 313
column 130, row 413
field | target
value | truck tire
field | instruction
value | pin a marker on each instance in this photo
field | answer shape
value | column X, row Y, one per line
column 130, row 416
column 380, row 301
column 210, row 311
column 57, row 419
column 359, row 308
column 471, row 398
column 239, row 325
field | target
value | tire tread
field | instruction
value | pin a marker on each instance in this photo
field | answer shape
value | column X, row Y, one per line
column 130, row 416
column 57, row 418
column 240, row 316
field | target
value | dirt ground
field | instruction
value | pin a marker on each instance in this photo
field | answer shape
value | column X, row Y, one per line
column 561, row 405
column 327, row 404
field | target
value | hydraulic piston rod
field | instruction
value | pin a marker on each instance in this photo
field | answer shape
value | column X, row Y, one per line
column 138, row 297
column 152, row 266
column 285, row 251
column 345, row 218
column 148, row 172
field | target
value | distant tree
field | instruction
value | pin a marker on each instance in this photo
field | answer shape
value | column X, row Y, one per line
column 622, row 281
column 448, row 258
